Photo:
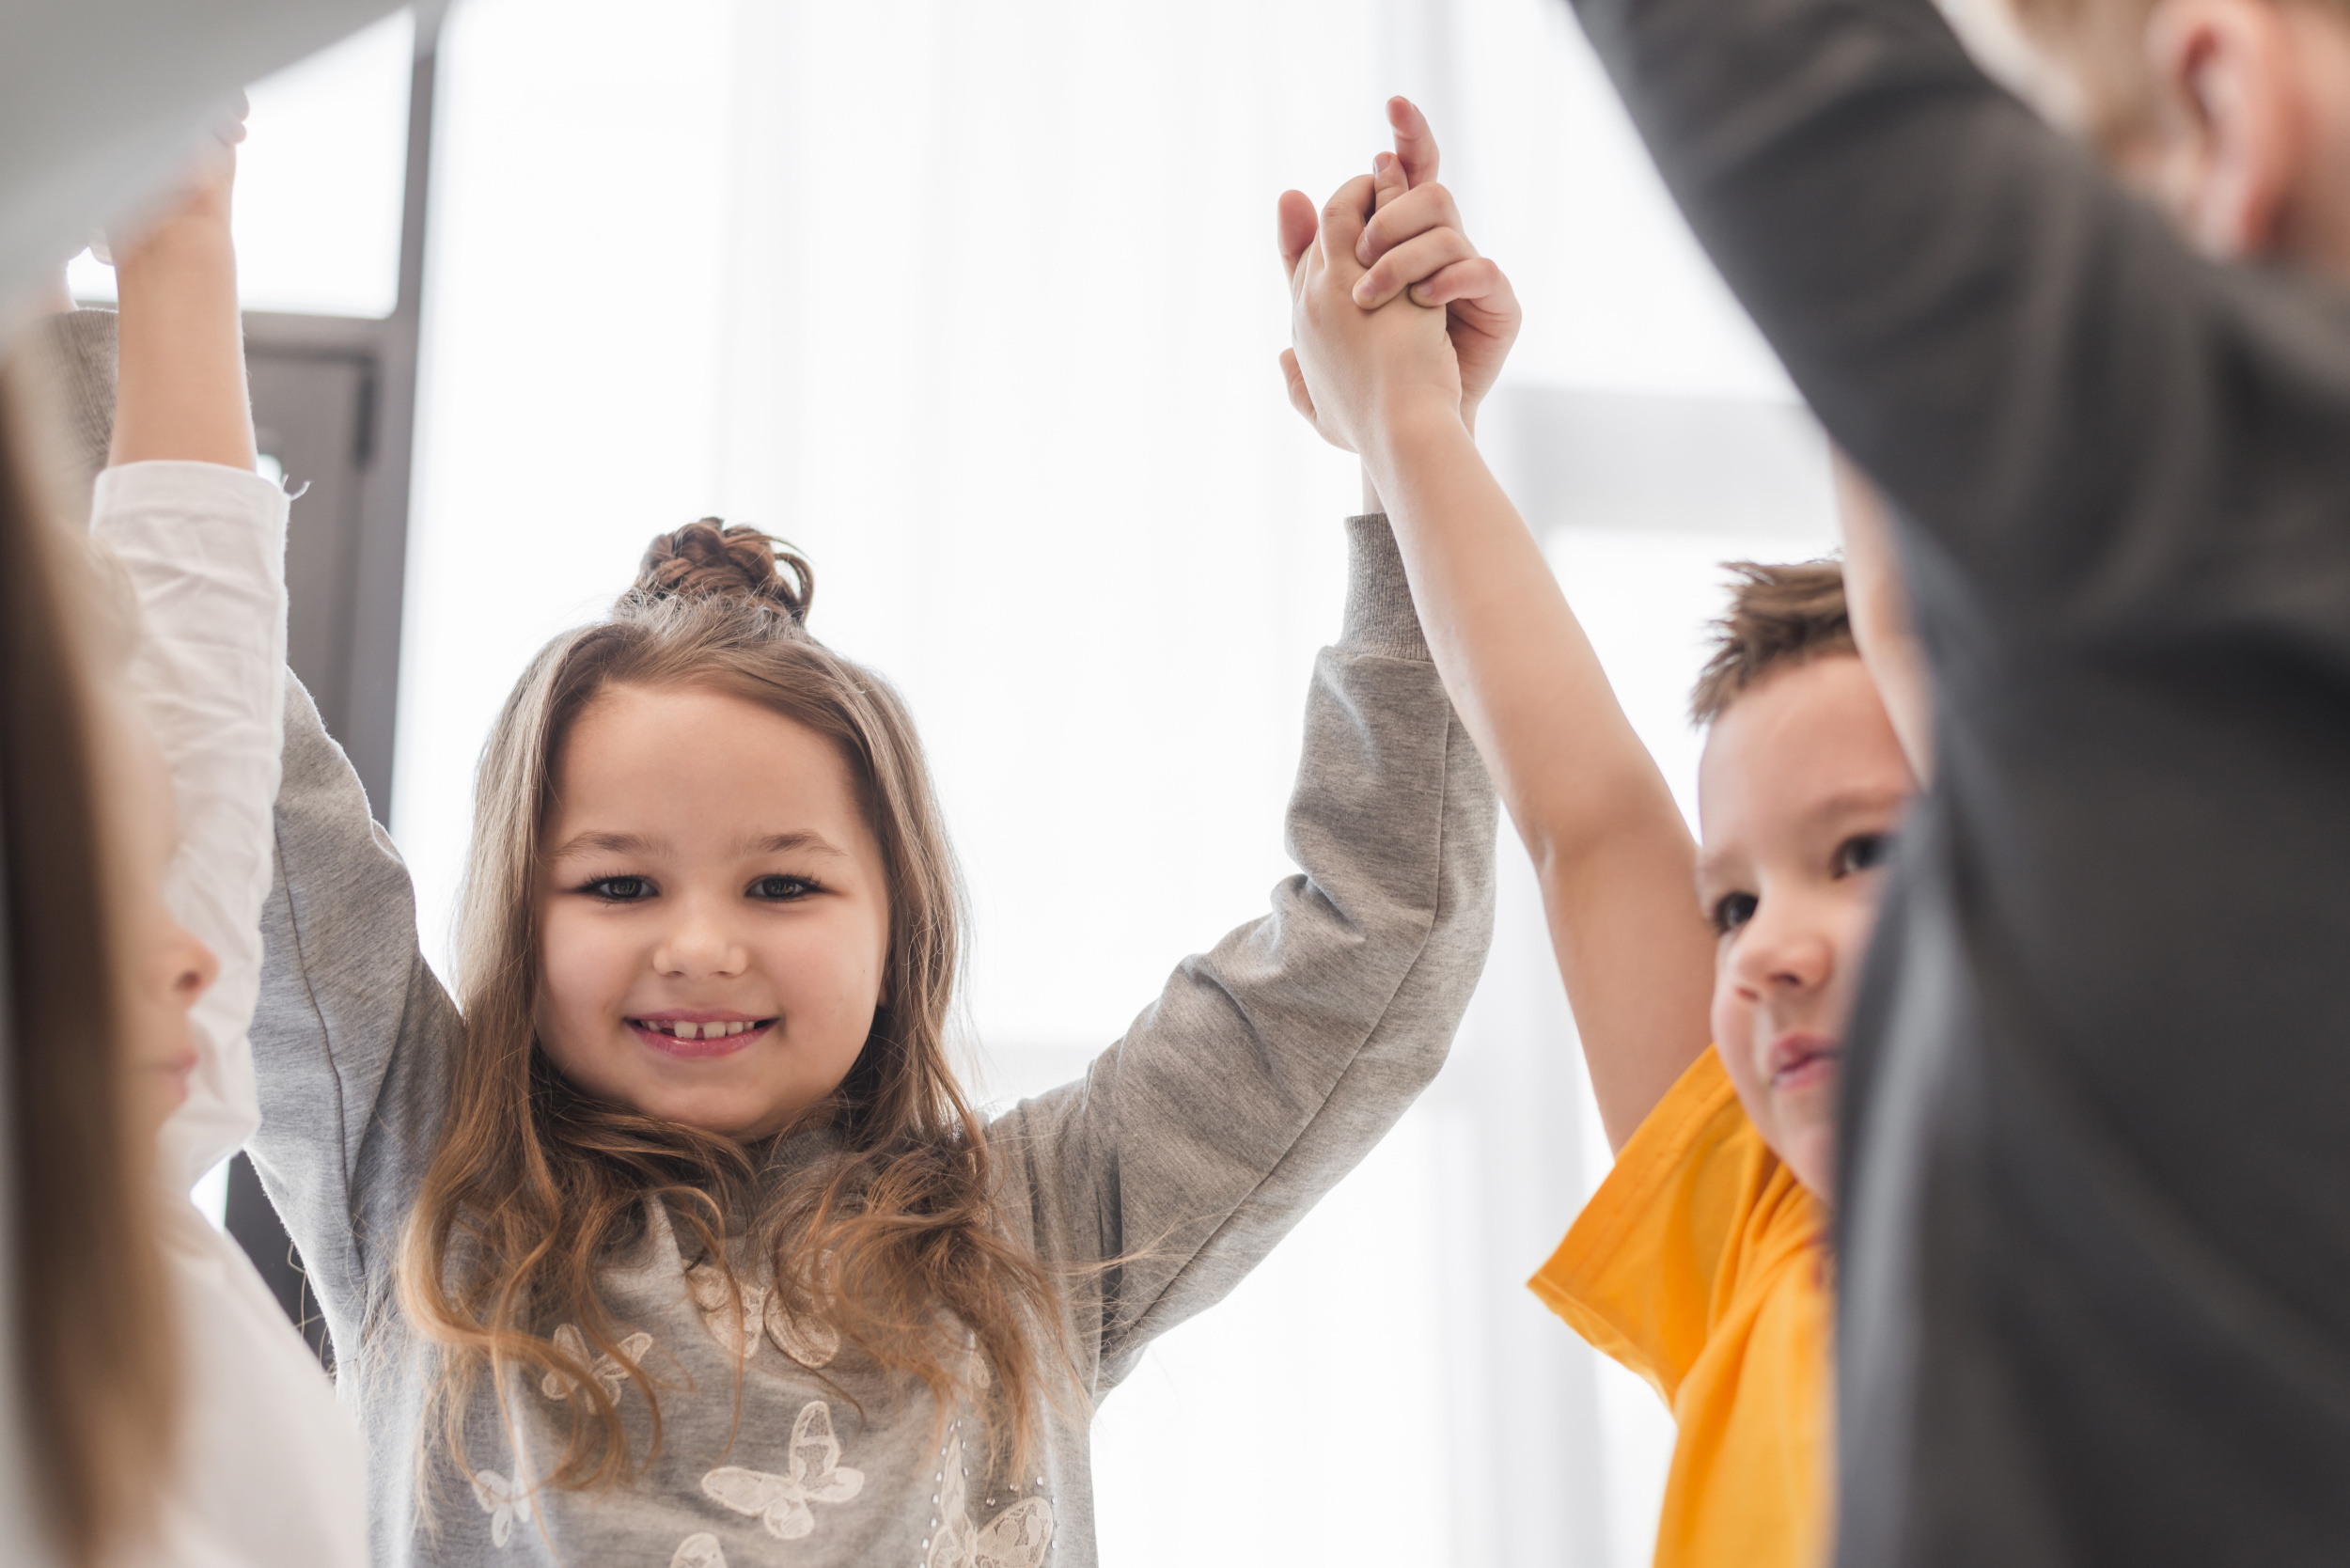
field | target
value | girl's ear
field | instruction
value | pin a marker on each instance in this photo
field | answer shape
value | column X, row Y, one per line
column 2234, row 144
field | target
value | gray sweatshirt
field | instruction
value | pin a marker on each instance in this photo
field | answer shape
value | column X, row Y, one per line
column 1259, row 1077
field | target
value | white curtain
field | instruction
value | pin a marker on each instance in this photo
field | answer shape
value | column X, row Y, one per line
column 976, row 302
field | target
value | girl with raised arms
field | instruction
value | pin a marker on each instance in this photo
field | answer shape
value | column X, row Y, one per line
column 672, row 1238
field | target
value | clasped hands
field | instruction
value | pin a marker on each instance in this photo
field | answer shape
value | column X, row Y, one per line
column 1393, row 316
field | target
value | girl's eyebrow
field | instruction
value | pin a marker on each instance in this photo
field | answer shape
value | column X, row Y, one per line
column 610, row 843
column 637, row 845
column 786, row 843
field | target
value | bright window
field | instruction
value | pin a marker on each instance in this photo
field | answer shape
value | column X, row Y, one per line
column 320, row 181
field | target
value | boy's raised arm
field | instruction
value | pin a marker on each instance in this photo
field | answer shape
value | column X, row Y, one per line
column 1615, row 858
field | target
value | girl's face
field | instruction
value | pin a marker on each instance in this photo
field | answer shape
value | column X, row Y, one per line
column 1800, row 790
column 712, row 912
column 167, row 968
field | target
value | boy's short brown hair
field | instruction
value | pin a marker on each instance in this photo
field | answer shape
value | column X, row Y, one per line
column 1779, row 616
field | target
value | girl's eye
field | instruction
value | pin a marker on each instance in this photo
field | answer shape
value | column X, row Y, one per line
column 782, row 889
column 1733, row 910
column 1863, row 851
column 620, row 889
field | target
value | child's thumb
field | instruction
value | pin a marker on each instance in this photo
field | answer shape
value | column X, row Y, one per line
column 1294, row 224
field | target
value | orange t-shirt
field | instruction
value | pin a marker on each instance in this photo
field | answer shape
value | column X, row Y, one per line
column 1700, row 1263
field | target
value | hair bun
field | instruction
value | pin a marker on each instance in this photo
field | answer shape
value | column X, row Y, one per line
column 709, row 560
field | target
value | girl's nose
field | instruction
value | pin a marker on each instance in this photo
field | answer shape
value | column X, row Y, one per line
column 191, row 967
column 700, row 944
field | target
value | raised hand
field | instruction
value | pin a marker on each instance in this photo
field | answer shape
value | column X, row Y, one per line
column 182, row 390
column 1414, row 244
column 1354, row 374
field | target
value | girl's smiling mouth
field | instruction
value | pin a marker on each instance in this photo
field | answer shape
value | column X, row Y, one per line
column 696, row 1033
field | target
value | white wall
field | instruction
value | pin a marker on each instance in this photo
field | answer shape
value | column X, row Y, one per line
column 318, row 180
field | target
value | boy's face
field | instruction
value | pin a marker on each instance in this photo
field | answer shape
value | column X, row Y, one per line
column 1800, row 790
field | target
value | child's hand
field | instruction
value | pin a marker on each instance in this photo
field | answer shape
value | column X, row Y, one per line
column 197, row 198
column 1352, row 372
column 1415, row 240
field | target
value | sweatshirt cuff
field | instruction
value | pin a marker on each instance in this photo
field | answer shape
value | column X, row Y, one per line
column 1379, row 614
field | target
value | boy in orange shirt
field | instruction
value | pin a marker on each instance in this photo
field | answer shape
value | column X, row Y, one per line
column 1702, row 1261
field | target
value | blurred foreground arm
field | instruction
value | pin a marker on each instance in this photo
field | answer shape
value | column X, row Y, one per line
column 182, row 393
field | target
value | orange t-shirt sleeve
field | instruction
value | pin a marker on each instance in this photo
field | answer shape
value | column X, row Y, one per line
column 1695, row 1203
column 1698, row 1263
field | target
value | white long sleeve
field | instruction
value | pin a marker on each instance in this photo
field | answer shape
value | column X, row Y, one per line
column 271, row 1470
column 205, row 550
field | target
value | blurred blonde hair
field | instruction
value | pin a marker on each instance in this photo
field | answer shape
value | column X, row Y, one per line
column 95, row 1352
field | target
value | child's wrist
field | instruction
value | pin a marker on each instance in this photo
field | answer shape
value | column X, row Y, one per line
column 198, row 234
column 1409, row 423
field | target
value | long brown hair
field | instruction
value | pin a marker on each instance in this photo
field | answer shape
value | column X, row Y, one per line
column 892, row 1240
column 95, row 1356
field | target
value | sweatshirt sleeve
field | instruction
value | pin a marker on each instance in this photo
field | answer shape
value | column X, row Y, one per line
column 1270, row 1064
column 353, row 1032
column 70, row 355
column 2094, row 428
column 203, row 548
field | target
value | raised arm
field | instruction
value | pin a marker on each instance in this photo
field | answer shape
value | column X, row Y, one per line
column 181, row 396
column 201, row 540
column 2083, row 415
column 352, row 1035
column 1615, row 858
column 1271, row 1063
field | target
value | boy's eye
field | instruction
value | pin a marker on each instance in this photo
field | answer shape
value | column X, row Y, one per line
column 620, row 889
column 1863, row 851
column 1733, row 910
column 782, row 888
